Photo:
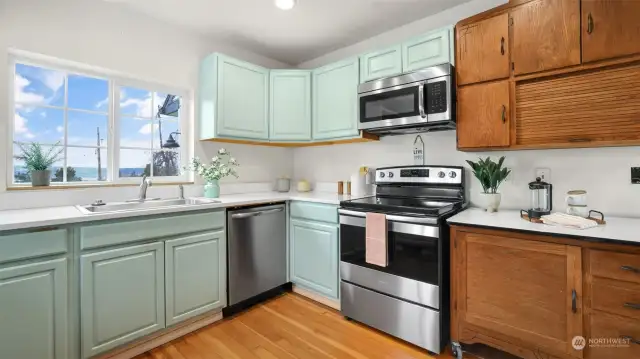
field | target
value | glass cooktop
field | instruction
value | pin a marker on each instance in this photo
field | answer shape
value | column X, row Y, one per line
column 423, row 206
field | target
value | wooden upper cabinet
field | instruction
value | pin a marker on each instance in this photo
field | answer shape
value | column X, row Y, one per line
column 483, row 50
column 521, row 291
column 610, row 28
column 483, row 115
column 546, row 35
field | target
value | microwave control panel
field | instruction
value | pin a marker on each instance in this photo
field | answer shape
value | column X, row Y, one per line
column 436, row 97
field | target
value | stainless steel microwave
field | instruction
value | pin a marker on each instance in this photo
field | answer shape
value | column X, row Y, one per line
column 419, row 101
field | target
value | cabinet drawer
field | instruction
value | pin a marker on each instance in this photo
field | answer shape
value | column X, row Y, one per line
column 121, row 232
column 30, row 245
column 315, row 211
column 616, row 297
column 615, row 265
column 609, row 326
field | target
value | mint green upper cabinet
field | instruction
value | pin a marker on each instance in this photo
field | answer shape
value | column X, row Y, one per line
column 381, row 64
column 290, row 105
column 121, row 296
column 33, row 311
column 313, row 253
column 233, row 99
column 431, row 49
column 335, row 100
column 195, row 275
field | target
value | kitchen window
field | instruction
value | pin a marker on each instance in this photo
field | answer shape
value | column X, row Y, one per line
column 111, row 129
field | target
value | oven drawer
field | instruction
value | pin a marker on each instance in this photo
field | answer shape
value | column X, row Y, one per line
column 617, row 297
column 415, row 324
column 615, row 265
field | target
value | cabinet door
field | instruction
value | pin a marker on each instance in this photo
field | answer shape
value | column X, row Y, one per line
column 431, row 49
column 483, row 50
column 195, row 268
column 242, row 99
column 33, row 311
column 290, row 105
column 520, row 289
column 379, row 64
column 335, row 101
column 483, row 115
column 314, row 256
column 121, row 296
column 546, row 35
column 610, row 28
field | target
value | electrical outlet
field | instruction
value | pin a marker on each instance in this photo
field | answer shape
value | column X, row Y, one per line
column 544, row 174
column 635, row 175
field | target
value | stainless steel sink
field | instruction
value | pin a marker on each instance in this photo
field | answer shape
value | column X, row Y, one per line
column 144, row 205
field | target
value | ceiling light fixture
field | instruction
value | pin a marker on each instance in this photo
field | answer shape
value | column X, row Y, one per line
column 285, row 4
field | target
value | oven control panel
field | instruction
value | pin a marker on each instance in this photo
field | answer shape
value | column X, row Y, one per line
column 419, row 174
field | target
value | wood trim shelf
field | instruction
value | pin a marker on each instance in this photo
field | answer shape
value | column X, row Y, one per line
column 84, row 186
column 364, row 137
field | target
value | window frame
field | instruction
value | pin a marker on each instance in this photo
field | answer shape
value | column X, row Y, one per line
column 116, row 81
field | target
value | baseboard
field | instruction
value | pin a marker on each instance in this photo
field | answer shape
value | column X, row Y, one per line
column 332, row 303
column 155, row 340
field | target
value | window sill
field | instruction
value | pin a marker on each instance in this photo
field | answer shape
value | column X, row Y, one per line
column 82, row 186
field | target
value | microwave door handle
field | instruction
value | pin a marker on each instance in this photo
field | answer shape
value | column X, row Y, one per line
column 421, row 100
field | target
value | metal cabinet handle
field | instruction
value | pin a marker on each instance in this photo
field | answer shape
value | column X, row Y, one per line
column 630, row 269
column 502, row 45
column 632, row 306
column 254, row 214
column 589, row 24
column 631, row 339
column 574, row 301
column 504, row 114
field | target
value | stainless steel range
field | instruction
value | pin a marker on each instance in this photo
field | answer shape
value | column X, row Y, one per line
column 409, row 298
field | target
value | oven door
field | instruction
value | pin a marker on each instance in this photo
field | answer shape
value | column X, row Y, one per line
column 392, row 106
column 413, row 271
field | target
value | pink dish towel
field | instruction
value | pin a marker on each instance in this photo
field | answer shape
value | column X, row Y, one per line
column 376, row 240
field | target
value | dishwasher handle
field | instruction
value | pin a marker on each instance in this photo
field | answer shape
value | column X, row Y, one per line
column 254, row 214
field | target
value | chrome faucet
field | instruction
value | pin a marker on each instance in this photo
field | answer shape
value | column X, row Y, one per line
column 146, row 183
column 181, row 188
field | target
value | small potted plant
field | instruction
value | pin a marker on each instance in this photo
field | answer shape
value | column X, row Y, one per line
column 220, row 166
column 38, row 161
column 491, row 175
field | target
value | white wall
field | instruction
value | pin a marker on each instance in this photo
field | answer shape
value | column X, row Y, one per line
column 109, row 36
column 603, row 172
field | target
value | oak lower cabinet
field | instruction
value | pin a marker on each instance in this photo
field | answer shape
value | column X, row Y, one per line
column 610, row 29
column 483, row 115
column 122, row 296
column 34, row 310
column 195, row 269
column 522, row 296
column 314, row 258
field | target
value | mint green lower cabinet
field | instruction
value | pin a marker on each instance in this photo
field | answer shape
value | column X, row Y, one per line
column 290, row 105
column 195, row 275
column 335, row 100
column 314, row 259
column 33, row 311
column 379, row 64
column 121, row 296
column 433, row 48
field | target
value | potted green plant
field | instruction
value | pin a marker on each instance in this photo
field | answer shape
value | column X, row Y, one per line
column 220, row 166
column 38, row 161
column 491, row 175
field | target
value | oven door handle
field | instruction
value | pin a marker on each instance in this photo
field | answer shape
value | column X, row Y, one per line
column 393, row 218
column 420, row 230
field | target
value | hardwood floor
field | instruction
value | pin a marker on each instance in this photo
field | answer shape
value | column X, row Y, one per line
column 289, row 326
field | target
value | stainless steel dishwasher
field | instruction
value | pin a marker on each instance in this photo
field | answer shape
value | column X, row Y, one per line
column 257, row 251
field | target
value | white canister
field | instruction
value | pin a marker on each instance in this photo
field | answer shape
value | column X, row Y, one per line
column 283, row 185
column 577, row 198
column 580, row 211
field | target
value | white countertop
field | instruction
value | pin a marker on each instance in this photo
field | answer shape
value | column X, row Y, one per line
column 616, row 229
column 53, row 216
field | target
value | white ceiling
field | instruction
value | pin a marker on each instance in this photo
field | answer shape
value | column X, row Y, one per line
column 311, row 29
